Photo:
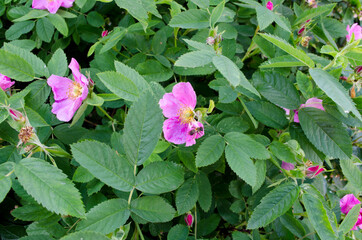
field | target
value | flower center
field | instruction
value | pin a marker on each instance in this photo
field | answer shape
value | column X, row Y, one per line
column 186, row 115
column 75, row 90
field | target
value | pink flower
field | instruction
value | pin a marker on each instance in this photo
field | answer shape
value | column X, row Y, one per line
column 178, row 106
column 347, row 203
column 5, row 82
column 189, row 219
column 210, row 41
column 104, row 33
column 354, row 29
column 52, row 5
column 68, row 94
column 287, row 166
column 269, row 5
column 314, row 171
column 311, row 102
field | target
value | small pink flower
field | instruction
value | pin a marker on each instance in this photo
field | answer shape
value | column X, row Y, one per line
column 311, row 102
column 52, row 5
column 189, row 219
column 354, row 29
column 312, row 3
column 210, row 41
column 16, row 115
column 347, row 203
column 269, row 5
column 178, row 106
column 68, row 94
column 287, row 166
column 104, row 33
column 314, row 171
column 5, row 82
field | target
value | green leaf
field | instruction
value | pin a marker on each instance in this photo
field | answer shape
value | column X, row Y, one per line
column 115, row 36
column 34, row 13
column 350, row 220
column 281, row 61
column 37, row 64
column 282, row 44
column 233, row 124
column 268, row 114
column 334, row 90
column 89, row 235
column 35, row 119
column 31, row 212
column 142, row 128
column 326, row 133
column 132, row 75
column 5, row 181
column 210, row 151
column 317, row 216
column 18, row 29
column 188, row 159
column 260, row 166
column 82, row 175
column 216, row 13
column 159, row 177
column 264, row 16
column 159, row 42
column 59, row 23
column 193, row 18
column 293, row 225
column 282, row 22
column 153, row 209
column 153, row 70
column 94, row 100
column 201, row 3
column 178, row 232
column 241, row 164
column 248, row 145
column 105, row 164
column 186, row 196
column 15, row 67
column 282, row 151
column 120, row 85
column 205, row 192
column 314, row 12
column 136, row 9
column 95, row 19
column 50, row 187
column 106, row 216
column 352, row 173
column 274, row 204
column 44, row 29
column 277, row 89
column 195, row 59
column 240, row 236
column 58, row 64
column 232, row 73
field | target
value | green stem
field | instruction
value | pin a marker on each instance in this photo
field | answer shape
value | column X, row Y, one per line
column 105, row 113
column 139, row 231
column 252, row 45
column 195, row 222
column 7, row 175
column 247, row 112
column 130, row 196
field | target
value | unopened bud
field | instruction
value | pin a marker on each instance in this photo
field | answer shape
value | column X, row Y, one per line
column 26, row 133
column 104, row 33
column 189, row 219
column 210, row 41
column 301, row 31
column 344, row 78
column 305, row 41
column 358, row 69
column 16, row 115
column 269, row 5
column 314, row 171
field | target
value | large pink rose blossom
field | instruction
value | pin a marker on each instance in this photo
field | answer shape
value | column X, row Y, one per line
column 311, row 102
column 347, row 203
column 314, row 171
column 178, row 106
column 68, row 94
column 354, row 29
column 52, row 5
column 269, row 5
column 5, row 82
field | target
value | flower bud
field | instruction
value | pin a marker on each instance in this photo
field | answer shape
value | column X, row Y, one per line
column 287, row 166
column 314, row 171
column 189, row 219
column 301, row 31
column 104, row 33
column 210, row 41
column 269, row 5
column 358, row 70
column 16, row 115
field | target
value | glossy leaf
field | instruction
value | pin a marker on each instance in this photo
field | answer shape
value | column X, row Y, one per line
column 210, row 151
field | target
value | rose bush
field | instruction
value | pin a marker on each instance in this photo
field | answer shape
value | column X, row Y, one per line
column 180, row 119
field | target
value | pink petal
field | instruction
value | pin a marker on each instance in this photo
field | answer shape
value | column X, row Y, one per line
column 53, row 6
column 67, row 3
column 347, row 202
column 287, row 166
column 15, row 114
column 5, row 82
column 174, row 131
column 195, row 130
column 60, row 86
column 296, row 117
column 269, row 5
column 184, row 92
column 170, row 105
column 315, row 103
column 39, row 4
column 314, row 171
column 66, row 108
column 84, row 93
column 189, row 219
column 78, row 76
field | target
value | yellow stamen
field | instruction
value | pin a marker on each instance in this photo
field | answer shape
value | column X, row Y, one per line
column 75, row 90
column 186, row 115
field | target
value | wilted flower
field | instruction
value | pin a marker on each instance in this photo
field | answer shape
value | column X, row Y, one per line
column 52, row 5
column 305, row 41
column 104, row 33
column 312, row 102
column 68, row 94
column 210, row 41
column 26, row 133
column 354, row 29
column 287, row 166
column 314, row 171
column 347, row 203
column 189, row 219
column 269, row 5
column 5, row 82
column 178, row 106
